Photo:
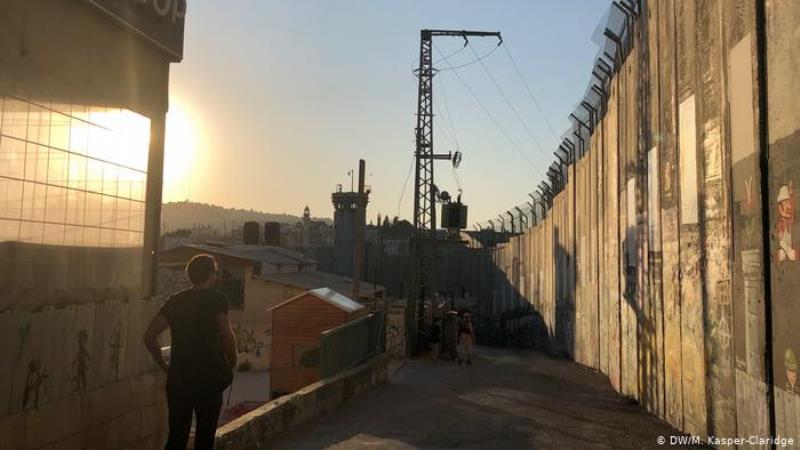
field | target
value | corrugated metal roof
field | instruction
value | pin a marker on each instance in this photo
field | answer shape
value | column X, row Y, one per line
column 328, row 295
column 315, row 279
column 266, row 254
column 336, row 299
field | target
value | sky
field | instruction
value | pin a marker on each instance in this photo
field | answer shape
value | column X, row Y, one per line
column 275, row 101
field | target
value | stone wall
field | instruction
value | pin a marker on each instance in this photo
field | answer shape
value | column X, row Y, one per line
column 257, row 427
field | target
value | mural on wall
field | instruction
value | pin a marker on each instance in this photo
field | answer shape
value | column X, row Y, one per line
column 114, row 345
column 56, row 353
column 23, row 332
column 81, row 362
column 34, row 384
column 747, row 295
column 246, row 340
column 752, row 222
column 783, row 228
column 790, row 362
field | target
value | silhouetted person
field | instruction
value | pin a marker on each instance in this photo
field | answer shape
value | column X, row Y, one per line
column 202, row 356
column 466, row 338
column 435, row 339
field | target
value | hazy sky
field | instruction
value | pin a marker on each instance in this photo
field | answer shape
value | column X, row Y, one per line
column 275, row 102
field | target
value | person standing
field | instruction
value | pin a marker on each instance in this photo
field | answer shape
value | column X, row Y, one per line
column 466, row 338
column 435, row 339
column 202, row 356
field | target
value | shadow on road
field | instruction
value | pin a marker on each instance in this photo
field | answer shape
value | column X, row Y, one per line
column 507, row 399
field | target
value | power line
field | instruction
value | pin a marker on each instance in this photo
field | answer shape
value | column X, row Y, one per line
column 495, row 121
column 530, row 92
column 446, row 132
column 448, row 56
column 478, row 58
column 403, row 192
column 449, row 115
column 511, row 105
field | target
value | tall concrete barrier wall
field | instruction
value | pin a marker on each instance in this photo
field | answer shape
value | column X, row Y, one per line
column 668, row 261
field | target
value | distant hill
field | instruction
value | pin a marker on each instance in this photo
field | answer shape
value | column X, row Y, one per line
column 177, row 215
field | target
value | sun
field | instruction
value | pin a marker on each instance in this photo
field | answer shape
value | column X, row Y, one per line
column 180, row 151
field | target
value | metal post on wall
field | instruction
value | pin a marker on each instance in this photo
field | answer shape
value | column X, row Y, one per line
column 153, row 199
column 523, row 219
column 763, row 163
column 533, row 210
column 358, row 232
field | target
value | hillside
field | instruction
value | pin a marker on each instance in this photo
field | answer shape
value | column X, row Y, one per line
column 177, row 215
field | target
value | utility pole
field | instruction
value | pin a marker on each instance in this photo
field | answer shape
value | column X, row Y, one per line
column 423, row 250
column 358, row 232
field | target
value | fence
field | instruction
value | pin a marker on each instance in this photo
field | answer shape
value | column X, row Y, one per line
column 351, row 344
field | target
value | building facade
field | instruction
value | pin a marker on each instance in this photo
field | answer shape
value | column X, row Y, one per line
column 83, row 101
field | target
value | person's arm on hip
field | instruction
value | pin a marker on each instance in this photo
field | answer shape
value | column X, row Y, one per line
column 154, row 329
column 228, row 340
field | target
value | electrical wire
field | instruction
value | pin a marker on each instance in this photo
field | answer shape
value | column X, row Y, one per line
column 457, row 179
column 405, row 185
column 513, row 109
column 449, row 115
column 441, row 60
column 530, row 92
column 495, row 121
column 478, row 58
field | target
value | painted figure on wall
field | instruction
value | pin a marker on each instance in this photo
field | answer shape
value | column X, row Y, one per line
column 34, row 384
column 790, row 362
column 114, row 344
column 81, row 362
column 247, row 341
column 786, row 249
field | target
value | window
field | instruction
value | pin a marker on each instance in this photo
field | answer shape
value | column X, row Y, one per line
column 72, row 174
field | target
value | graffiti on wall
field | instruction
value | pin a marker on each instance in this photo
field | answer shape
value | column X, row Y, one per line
column 81, row 362
column 790, row 364
column 34, row 384
column 783, row 228
column 246, row 340
column 114, row 346
column 56, row 353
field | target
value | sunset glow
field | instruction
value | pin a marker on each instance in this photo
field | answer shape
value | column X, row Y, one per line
column 181, row 151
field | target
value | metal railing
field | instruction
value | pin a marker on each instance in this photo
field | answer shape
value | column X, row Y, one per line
column 351, row 344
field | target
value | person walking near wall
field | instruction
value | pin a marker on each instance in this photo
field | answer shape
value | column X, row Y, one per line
column 466, row 338
column 202, row 356
column 435, row 339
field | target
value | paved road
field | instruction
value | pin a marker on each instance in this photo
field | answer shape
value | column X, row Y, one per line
column 507, row 399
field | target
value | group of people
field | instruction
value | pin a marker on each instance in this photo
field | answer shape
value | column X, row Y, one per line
column 465, row 338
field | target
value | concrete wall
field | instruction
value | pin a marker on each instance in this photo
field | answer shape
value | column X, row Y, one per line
column 256, row 428
column 79, row 377
column 74, row 371
column 650, row 266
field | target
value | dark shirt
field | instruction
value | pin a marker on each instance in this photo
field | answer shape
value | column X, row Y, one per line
column 436, row 331
column 196, row 356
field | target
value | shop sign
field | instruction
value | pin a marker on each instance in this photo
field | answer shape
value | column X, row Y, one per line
column 159, row 21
